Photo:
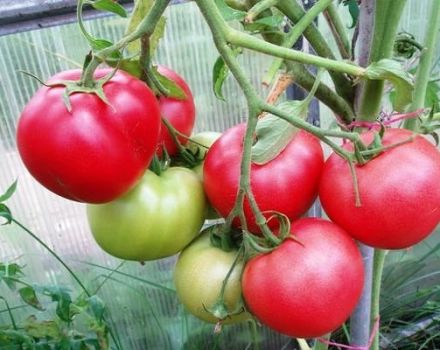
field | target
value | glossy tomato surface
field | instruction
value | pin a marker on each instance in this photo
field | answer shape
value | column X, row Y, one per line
column 287, row 184
column 156, row 219
column 308, row 287
column 198, row 277
column 97, row 151
column 399, row 193
column 179, row 112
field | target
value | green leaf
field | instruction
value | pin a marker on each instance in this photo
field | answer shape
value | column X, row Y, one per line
column 97, row 307
column 228, row 13
column 141, row 9
column 392, row 71
column 353, row 8
column 167, row 86
column 100, row 44
column 274, row 134
column 9, row 192
column 110, row 6
column 62, row 297
column 220, row 72
column 5, row 213
column 30, row 297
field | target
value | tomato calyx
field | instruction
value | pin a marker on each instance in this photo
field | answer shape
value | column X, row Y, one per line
column 79, row 86
column 159, row 165
column 223, row 238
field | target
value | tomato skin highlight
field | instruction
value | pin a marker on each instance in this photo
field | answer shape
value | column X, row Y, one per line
column 287, row 184
column 156, row 219
column 96, row 152
column 198, row 277
column 309, row 287
column 399, row 193
column 180, row 113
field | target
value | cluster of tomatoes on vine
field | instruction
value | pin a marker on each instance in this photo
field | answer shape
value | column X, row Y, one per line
column 98, row 151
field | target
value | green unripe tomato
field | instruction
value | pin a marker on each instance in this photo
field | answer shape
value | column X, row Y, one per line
column 156, row 219
column 198, row 277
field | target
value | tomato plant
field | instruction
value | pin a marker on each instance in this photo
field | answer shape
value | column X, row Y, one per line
column 198, row 277
column 156, row 219
column 97, row 151
column 291, row 179
column 179, row 112
column 399, row 192
column 309, row 285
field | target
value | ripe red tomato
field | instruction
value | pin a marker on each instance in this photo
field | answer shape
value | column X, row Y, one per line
column 308, row 287
column 180, row 113
column 97, row 151
column 399, row 193
column 287, row 184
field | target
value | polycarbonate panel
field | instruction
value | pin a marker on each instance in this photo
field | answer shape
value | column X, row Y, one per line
column 145, row 317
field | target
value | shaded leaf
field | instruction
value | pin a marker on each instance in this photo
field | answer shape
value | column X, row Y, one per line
column 353, row 8
column 228, row 13
column 9, row 273
column 61, row 296
column 167, row 86
column 30, row 297
column 9, row 192
column 392, row 71
column 110, row 6
column 432, row 98
column 41, row 329
column 97, row 306
column 141, row 9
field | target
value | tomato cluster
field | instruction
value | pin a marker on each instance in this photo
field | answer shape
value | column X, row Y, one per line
column 97, row 150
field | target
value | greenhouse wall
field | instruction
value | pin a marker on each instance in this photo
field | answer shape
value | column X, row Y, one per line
column 146, row 316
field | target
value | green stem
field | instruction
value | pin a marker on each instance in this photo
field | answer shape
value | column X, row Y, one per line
column 325, row 94
column 145, row 27
column 297, row 31
column 55, row 255
column 319, row 345
column 259, row 8
column 11, row 316
column 294, row 11
column 387, row 17
column 432, row 35
column 247, row 41
column 338, row 30
column 379, row 261
column 303, row 344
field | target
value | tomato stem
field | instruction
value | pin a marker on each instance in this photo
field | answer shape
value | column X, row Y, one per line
column 259, row 8
column 430, row 44
column 338, row 30
column 379, row 261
